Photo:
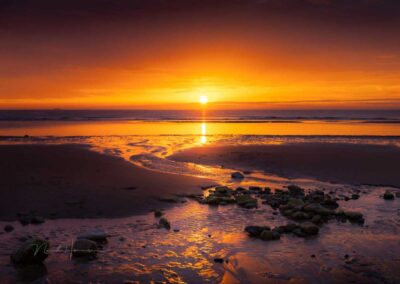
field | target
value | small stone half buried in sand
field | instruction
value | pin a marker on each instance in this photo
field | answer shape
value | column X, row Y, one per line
column 164, row 223
column 237, row 175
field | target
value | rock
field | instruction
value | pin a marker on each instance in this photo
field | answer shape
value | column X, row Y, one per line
column 255, row 188
column 298, row 215
column 295, row 190
column 299, row 232
column 84, row 248
column 212, row 200
column 309, row 228
column 164, row 223
column 318, row 209
column 24, row 219
column 222, row 189
column 355, row 196
column 36, row 219
column 295, row 203
column 287, row 229
column 96, row 235
column 330, row 203
column 355, row 217
column 237, row 175
column 268, row 235
column 317, row 219
column 33, row 251
column 246, row 201
column 255, row 231
column 388, row 195
column 8, row 228
column 218, row 260
column 158, row 213
column 267, row 190
column 240, row 189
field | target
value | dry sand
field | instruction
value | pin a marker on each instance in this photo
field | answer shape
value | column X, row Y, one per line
column 333, row 162
column 63, row 181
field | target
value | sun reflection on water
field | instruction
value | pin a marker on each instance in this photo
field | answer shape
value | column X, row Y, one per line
column 203, row 137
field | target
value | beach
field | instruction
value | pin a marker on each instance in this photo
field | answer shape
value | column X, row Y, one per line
column 70, row 181
column 206, row 208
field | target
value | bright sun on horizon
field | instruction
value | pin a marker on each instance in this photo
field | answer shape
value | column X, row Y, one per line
column 203, row 100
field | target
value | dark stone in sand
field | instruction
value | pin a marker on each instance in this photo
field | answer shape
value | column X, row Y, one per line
column 35, row 219
column 33, row 251
column 158, row 213
column 255, row 188
column 268, row 235
column 287, row 229
column 8, row 228
column 246, row 201
column 299, row 232
column 295, row 190
column 316, row 219
column 354, row 217
column 298, row 215
column 388, row 195
column 355, row 196
column 255, row 231
column 212, row 200
column 84, row 248
column 96, row 235
column 218, row 260
column 237, row 175
column 309, row 228
column 164, row 223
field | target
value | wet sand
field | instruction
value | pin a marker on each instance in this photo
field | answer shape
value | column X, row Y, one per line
column 333, row 162
column 70, row 181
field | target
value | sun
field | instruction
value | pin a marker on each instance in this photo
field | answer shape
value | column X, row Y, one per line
column 203, row 100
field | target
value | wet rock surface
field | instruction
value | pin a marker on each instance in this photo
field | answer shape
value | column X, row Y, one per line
column 32, row 251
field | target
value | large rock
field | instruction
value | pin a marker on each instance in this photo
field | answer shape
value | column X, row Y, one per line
column 33, row 251
column 84, row 248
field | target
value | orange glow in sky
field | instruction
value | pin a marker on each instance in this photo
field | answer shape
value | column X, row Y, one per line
column 264, row 54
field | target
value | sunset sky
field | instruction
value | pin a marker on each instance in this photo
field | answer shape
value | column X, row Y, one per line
column 169, row 53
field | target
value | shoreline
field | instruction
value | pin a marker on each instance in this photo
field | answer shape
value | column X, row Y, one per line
column 71, row 181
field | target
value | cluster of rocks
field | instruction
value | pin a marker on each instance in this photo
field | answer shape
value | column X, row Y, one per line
column 223, row 195
column 267, row 234
column 309, row 209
